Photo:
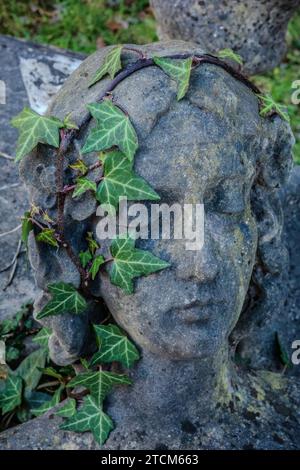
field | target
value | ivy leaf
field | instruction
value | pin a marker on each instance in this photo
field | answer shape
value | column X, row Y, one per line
column 130, row 263
column 114, row 346
column 178, row 70
column 65, row 298
column 230, row 54
column 97, row 262
column 90, row 417
column 48, row 404
column 47, row 236
column 79, row 166
column 85, row 257
column 82, row 185
column 119, row 180
column 270, row 106
column 283, row 355
column 37, row 399
column 27, row 226
column 11, row 396
column 68, row 410
column 30, row 368
column 42, row 337
column 35, row 129
column 68, row 124
column 114, row 128
column 111, row 65
column 99, row 383
column 93, row 245
column 51, row 372
column 12, row 354
column 47, row 218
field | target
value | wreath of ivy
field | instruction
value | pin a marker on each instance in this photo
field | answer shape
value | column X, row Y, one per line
column 115, row 138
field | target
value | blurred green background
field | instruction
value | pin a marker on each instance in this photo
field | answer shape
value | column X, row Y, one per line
column 86, row 25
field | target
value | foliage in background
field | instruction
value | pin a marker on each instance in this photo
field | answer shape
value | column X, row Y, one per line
column 279, row 82
column 80, row 26
column 89, row 24
column 31, row 385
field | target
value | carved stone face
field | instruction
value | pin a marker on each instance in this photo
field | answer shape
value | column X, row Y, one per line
column 188, row 310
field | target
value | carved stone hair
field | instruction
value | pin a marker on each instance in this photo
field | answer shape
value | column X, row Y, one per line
column 253, row 336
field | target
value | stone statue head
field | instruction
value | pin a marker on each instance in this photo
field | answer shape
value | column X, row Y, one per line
column 212, row 147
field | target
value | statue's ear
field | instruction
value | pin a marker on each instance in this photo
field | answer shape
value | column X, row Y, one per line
column 275, row 160
column 273, row 168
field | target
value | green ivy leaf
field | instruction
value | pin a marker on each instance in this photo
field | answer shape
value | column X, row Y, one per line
column 178, row 70
column 79, row 166
column 42, row 337
column 114, row 128
column 35, row 129
column 11, row 396
column 114, row 346
column 40, row 410
column 47, row 236
column 27, row 226
column 111, row 65
column 90, row 417
column 85, row 257
column 12, row 354
column 119, row 180
column 130, row 263
column 93, row 245
column 269, row 105
column 83, row 185
column 68, row 410
column 230, row 54
column 99, row 383
column 97, row 262
column 65, row 298
column 68, row 124
column 30, row 368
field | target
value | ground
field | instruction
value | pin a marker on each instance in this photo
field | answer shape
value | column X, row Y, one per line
column 87, row 25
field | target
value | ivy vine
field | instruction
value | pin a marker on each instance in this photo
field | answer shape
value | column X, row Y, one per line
column 116, row 141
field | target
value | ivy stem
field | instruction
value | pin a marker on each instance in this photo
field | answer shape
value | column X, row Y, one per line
column 137, row 51
column 98, row 164
column 60, row 181
column 35, row 222
column 67, row 189
column 64, row 144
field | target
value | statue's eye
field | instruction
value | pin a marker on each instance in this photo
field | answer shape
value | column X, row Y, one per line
column 227, row 198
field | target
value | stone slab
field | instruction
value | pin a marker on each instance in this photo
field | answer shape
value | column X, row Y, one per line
column 30, row 75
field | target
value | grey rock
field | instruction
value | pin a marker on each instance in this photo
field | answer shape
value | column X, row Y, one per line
column 211, row 147
column 254, row 29
column 30, row 75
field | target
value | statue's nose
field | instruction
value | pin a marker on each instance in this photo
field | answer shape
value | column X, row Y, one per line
column 202, row 265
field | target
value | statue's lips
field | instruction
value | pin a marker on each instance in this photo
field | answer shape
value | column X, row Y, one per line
column 196, row 311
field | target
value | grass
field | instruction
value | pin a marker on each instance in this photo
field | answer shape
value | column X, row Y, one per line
column 78, row 25
column 279, row 82
column 85, row 25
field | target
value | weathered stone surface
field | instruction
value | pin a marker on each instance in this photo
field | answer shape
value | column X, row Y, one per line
column 30, row 75
column 254, row 29
column 257, row 418
column 211, row 147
